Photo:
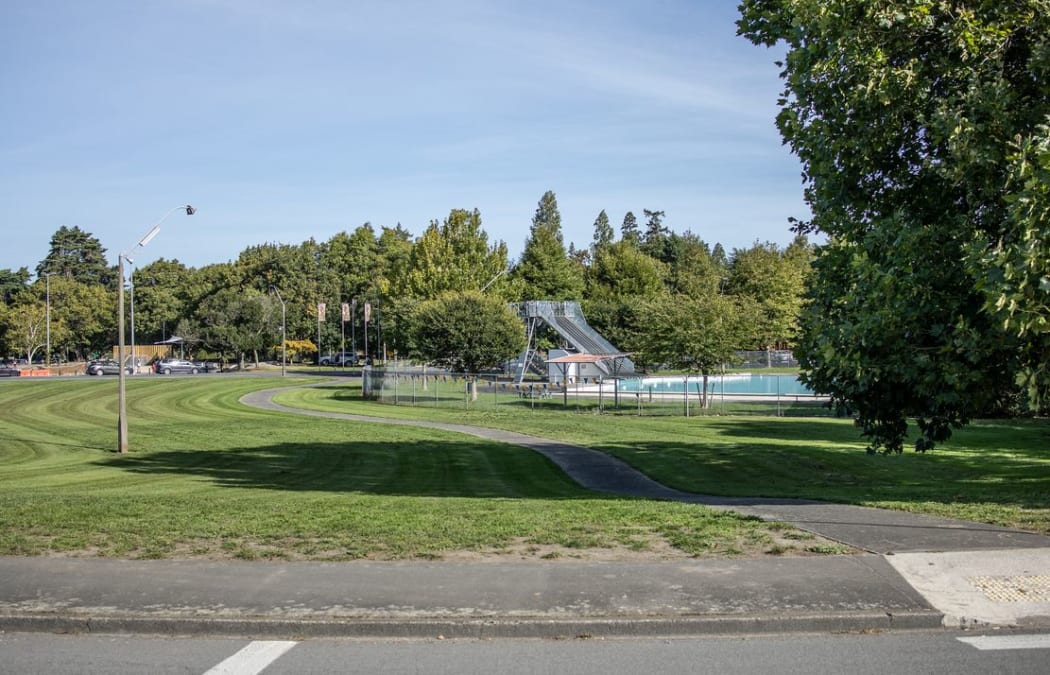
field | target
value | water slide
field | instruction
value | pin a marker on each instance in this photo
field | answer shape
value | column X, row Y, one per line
column 566, row 318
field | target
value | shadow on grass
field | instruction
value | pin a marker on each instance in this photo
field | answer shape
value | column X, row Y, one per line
column 427, row 469
column 471, row 469
column 750, row 467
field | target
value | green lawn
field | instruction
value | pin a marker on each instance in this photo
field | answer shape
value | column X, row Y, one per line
column 210, row 477
column 992, row 471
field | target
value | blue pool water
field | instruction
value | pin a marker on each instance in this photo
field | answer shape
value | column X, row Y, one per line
column 744, row 383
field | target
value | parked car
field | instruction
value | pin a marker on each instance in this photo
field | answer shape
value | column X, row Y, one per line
column 8, row 369
column 169, row 366
column 339, row 359
column 106, row 367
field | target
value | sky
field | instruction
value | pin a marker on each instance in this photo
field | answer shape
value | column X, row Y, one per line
column 282, row 121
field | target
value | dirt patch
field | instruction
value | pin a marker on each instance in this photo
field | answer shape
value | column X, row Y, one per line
column 648, row 547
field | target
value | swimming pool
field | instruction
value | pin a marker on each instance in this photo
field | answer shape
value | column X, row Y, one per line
column 741, row 383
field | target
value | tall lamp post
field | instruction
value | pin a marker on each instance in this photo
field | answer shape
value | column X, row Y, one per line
column 131, row 290
column 47, row 292
column 284, row 336
column 122, row 413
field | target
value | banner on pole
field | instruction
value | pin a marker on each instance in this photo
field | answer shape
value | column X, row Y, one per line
column 346, row 311
column 320, row 311
column 368, row 312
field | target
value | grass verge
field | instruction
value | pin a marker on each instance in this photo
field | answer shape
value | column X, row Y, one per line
column 209, row 477
column 992, row 471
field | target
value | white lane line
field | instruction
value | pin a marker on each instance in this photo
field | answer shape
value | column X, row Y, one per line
column 993, row 642
column 252, row 659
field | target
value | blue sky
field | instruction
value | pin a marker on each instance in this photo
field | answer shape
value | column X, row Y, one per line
column 287, row 120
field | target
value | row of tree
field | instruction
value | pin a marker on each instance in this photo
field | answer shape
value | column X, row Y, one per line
column 639, row 289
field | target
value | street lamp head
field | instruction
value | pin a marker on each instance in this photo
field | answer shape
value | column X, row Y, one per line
column 149, row 236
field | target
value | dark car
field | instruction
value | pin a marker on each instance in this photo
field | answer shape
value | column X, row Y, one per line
column 106, row 367
column 169, row 366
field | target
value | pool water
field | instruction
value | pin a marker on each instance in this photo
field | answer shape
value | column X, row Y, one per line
column 743, row 383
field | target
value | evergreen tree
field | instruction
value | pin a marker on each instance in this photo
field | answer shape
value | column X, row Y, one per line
column 719, row 256
column 545, row 271
column 12, row 283
column 603, row 233
column 654, row 243
column 629, row 230
column 76, row 255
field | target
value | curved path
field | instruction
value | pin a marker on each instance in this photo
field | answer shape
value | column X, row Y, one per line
column 873, row 530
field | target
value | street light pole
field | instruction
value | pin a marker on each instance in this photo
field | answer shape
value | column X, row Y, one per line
column 284, row 336
column 47, row 286
column 131, row 289
column 122, row 416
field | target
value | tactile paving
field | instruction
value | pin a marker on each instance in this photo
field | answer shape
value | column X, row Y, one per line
column 1034, row 588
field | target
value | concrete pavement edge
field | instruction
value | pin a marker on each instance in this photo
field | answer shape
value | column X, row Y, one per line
column 483, row 628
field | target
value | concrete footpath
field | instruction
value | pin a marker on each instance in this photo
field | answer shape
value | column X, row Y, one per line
column 916, row 572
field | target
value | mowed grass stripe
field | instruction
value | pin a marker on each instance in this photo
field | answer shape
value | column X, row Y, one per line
column 995, row 471
column 208, row 476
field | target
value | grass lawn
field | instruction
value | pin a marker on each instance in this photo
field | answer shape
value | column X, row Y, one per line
column 992, row 471
column 210, row 477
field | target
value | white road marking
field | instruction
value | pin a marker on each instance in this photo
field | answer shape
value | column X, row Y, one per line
column 993, row 642
column 252, row 659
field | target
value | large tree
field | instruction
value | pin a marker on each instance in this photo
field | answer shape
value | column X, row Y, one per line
column 655, row 240
column 240, row 322
column 629, row 229
column 86, row 311
column 906, row 116
column 545, row 271
column 12, row 283
column 603, row 233
column 160, row 299
column 24, row 326
column 696, row 334
column 775, row 279
column 466, row 332
column 76, row 254
column 454, row 255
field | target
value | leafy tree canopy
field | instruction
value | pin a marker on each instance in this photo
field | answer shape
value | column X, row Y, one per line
column 908, row 116
column 466, row 332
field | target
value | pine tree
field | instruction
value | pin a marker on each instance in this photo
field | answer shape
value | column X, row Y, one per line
column 76, row 255
column 545, row 271
column 629, row 230
column 603, row 233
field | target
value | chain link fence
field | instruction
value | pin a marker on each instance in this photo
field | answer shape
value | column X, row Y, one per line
column 414, row 387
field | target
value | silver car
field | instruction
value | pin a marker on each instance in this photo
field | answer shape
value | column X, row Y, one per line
column 169, row 366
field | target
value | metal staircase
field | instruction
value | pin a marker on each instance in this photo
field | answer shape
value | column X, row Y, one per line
column 566, row 319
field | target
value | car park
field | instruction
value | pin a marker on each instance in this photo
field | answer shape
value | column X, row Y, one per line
column 169, row 366
column 105, row 367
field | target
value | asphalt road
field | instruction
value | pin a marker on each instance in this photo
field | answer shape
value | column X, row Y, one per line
column 926, row 652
